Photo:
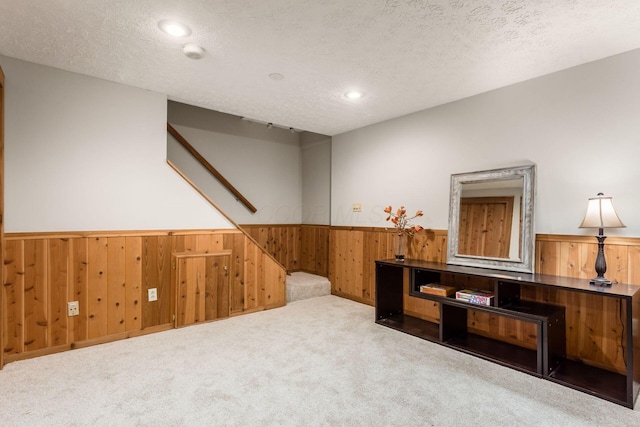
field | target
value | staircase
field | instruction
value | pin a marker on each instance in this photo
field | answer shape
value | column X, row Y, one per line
column 302, row 285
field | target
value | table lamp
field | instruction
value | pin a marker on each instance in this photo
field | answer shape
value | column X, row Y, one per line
column 601, row 214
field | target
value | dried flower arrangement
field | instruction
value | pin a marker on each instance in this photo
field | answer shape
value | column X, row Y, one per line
column 401, row 222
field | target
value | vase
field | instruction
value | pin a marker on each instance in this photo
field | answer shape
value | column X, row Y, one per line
column 400, row 246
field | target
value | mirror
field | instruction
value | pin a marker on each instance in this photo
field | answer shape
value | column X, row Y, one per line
column 491, row 219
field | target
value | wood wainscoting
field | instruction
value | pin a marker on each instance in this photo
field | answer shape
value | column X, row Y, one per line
column 297, row 247
column 599, row 340
column 109, row 274
column 353, row 251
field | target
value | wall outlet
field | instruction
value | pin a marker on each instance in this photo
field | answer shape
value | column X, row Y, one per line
column 357, row 207
column 73, row 308
column 153, row 294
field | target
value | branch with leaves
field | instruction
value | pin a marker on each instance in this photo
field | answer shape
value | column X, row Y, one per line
column 401, row 222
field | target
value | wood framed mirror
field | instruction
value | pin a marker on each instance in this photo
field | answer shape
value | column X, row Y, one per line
column 491, row 219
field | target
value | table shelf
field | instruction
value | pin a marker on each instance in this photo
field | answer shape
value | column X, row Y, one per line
column 538, row 344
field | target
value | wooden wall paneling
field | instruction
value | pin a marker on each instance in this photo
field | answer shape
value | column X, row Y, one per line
column 150, row 279
column 314, row 249
column 338, row 262
column 202, row 283
column 613, row 334
column 133, row 283
column 282, row 241
column 166, row 290
column 274, row 285
column 109, row 274
column 376, row 245
column 181, row 278
column 547, row 257
column 156, row 268
column 502, row 328
column 347, row 263
column 35, row 308
column 308, row 236
column 13, row 298
column 356, row 257
column 370, row 252
column 59, row 277
column 116, row 285
column 253, row 293
column 179, row 244
column 190, row 243
column 98, row 287
column 574, row 257
column 214, row 286
column 279, row 238
column 295, row 247
column 190, row 304
column 593, row 326
column 332, row 274
column 209, row 243
column 217, row 287
column 428, row 245
column 79, row 288
column 419, row 307
column 235, row 243
column 322, row 251
column 617, row 258
column 633, row 264
column 199, row 272
column 352, row 253
column 599, row 345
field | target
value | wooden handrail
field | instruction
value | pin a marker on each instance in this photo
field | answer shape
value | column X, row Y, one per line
column 210, row 168
column 235, row 224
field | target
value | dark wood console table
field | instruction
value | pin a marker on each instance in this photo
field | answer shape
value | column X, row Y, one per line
column 517, row 330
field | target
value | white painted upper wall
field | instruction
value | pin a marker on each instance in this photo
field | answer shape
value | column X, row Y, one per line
column 316, row 178
column 581, row 127
column 85, row 154
column 263, row 164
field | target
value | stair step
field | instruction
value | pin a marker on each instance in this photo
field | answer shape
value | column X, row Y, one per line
column 302, row 285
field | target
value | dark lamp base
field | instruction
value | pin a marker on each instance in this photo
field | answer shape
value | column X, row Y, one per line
column 600, row 281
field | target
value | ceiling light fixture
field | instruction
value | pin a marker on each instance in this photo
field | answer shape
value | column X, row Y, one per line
column 353, row 94
column 193, row 51
column 174, row 28
column 271, row 125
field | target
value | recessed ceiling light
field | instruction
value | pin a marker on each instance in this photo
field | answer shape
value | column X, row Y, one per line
column 353, row 94
column 174, row 28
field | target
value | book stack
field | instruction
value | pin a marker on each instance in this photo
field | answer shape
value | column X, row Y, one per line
column 475, row 296
column 438, row 289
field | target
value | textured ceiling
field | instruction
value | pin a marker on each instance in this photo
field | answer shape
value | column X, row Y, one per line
column 405, row 55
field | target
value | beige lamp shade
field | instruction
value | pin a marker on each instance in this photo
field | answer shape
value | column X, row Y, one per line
column 601, row 214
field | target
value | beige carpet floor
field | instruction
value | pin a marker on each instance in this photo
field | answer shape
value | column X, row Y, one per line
column 316, row 362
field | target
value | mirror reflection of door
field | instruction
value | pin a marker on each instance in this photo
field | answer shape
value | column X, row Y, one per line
column 485, row 226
